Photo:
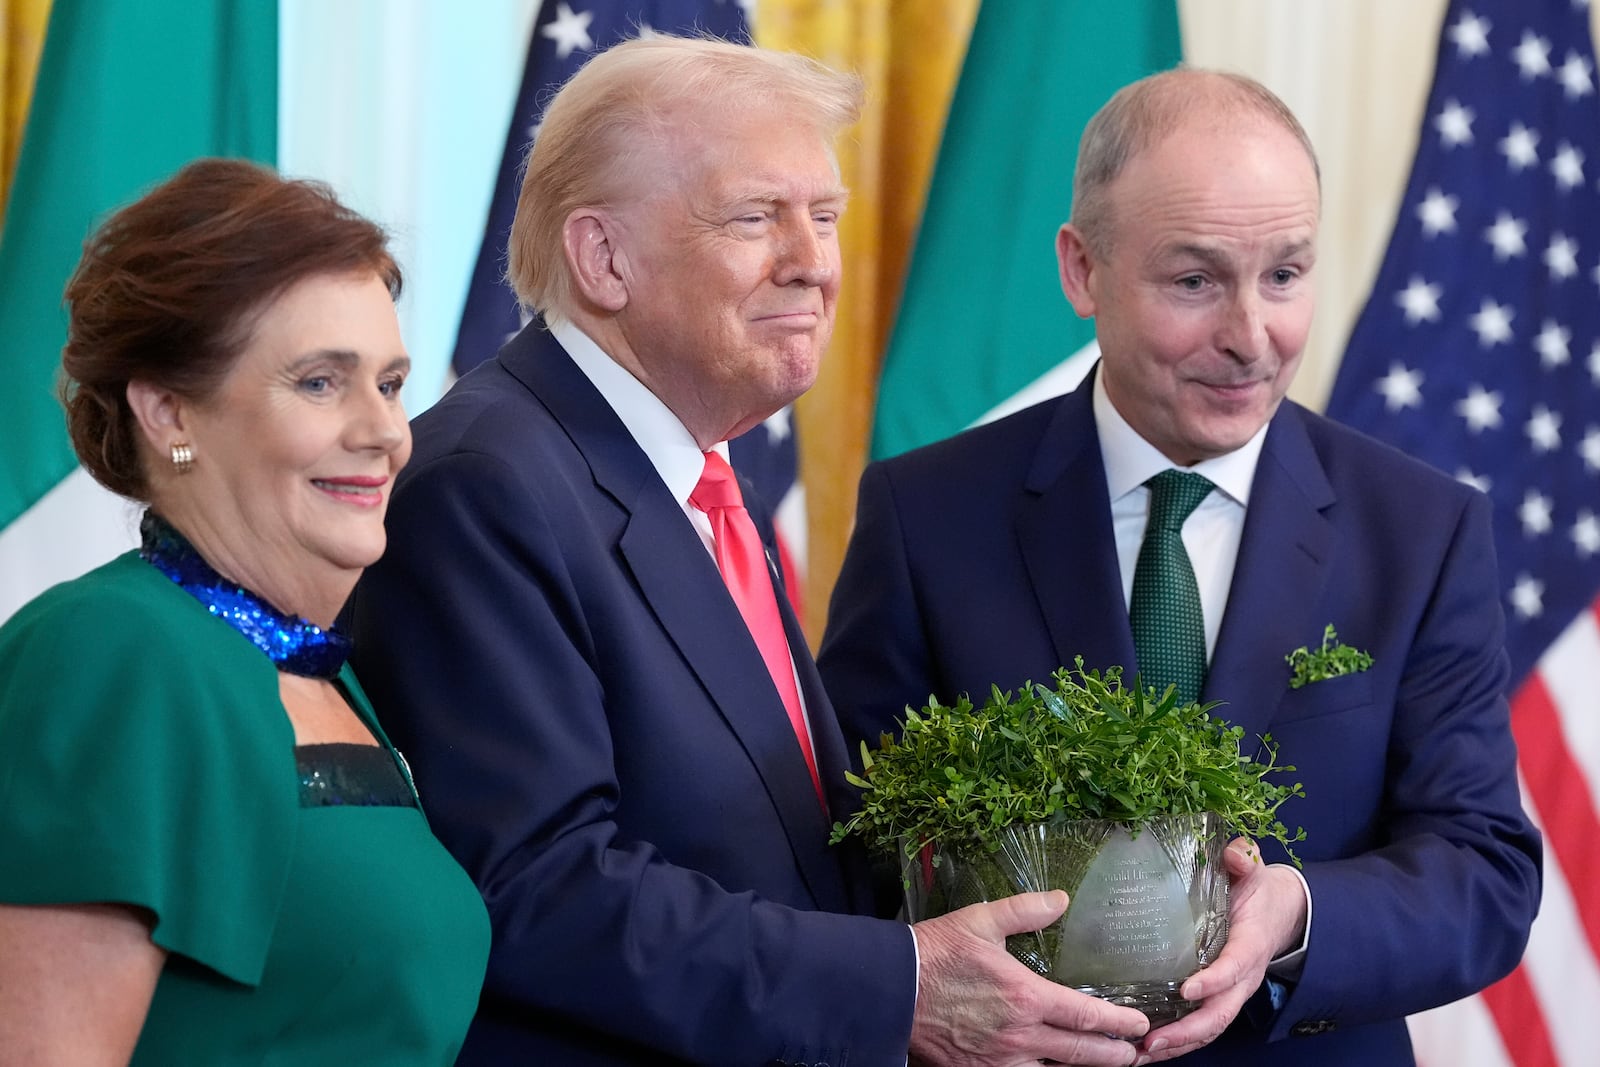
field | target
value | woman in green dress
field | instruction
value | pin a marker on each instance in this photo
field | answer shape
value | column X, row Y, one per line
column 209, row 852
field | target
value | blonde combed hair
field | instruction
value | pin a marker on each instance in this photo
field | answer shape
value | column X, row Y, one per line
column 619, row 107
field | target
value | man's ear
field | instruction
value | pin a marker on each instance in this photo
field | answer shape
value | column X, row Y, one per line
column 595, row 259
column 159, row 413
column 1076, row 265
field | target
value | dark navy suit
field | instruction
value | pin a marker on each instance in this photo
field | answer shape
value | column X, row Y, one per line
column 596, row 739
column 990, row 558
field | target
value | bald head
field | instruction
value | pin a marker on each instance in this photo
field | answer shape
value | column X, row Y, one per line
column 1147, row 112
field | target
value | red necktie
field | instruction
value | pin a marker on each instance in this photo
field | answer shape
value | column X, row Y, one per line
column 743, row 562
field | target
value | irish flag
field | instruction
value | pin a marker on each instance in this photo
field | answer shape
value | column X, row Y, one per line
column 983, row 328
column 127, row 91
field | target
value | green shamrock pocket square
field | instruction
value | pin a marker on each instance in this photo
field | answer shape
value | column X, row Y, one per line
column 1329, row 661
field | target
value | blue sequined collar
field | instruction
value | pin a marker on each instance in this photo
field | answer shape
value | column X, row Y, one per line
column 290, row 642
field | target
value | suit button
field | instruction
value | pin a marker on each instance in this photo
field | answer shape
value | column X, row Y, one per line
column 1312, row 1027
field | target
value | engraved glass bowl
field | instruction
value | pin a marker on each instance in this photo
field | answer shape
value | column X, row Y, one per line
column 1148, row 908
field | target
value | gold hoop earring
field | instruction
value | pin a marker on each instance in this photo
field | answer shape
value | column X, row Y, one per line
column 182, row 457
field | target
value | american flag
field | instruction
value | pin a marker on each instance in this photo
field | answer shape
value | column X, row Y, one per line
column 1479, row 351
column 565, row 34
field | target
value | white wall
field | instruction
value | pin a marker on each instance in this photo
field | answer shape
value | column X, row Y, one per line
column 402, row 106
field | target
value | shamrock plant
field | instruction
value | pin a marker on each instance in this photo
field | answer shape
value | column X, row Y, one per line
column 1330, row 661
column 1085, row 747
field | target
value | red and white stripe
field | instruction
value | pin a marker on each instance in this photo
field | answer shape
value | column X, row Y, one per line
column 1544, row 1014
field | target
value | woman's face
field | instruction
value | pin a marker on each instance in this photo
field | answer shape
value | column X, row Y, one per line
column 296, row 453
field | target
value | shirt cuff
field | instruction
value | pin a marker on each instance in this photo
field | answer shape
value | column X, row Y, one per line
column 916, row 957
column 1288, row 966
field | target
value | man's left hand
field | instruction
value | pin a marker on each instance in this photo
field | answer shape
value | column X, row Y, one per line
column 1266, row 917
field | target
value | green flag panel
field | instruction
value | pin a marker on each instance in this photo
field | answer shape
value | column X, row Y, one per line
column 127, row 92
column 983, row 314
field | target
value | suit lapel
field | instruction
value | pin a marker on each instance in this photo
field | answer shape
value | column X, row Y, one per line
column 1278, row 581
column 1065, row 536
column 819, row 862
column 853, row 891
column 817, row 859
column 680, row 582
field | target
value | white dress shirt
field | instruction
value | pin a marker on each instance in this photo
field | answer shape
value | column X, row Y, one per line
column 666, row 442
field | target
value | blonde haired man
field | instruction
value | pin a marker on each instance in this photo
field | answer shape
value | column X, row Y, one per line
column 638, row 772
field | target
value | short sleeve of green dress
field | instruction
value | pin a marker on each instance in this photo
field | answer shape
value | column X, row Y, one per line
column 145, row 759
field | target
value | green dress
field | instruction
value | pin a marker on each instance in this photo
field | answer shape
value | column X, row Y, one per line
column 145, row 759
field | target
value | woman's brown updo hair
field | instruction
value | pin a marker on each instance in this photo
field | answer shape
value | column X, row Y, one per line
column 169, row 287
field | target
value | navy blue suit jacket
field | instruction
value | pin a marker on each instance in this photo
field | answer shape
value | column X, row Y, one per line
column 990, row 558
column 596, row 739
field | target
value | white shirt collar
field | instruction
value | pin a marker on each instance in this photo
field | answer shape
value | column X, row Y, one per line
column 669, row 446
column 1131, row 461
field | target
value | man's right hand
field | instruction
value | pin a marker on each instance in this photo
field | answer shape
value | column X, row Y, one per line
column 979, row 1007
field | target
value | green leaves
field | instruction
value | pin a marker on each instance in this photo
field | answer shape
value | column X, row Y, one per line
column 1329, row 661
column 1085, row 748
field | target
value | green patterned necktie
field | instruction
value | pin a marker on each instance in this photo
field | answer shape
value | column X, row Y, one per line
column 1169, row 630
